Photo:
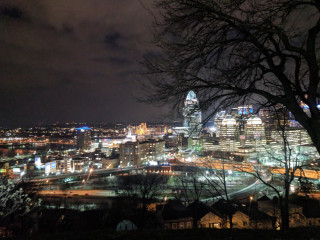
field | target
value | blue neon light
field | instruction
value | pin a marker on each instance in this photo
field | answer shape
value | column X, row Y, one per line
column 84, row 128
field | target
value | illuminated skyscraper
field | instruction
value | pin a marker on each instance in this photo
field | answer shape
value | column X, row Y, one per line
column 228, row 127
column 83, row 138
column 219, row 118
column 192, row 115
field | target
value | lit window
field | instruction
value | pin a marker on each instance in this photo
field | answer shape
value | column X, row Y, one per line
column 188, row 225
column 181, row 225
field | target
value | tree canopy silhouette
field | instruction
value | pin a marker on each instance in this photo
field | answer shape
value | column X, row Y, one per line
column 229, row 52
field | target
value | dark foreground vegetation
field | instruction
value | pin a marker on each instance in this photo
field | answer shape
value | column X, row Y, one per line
column 199, row 234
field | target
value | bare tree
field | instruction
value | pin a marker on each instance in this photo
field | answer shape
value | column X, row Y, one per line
column 189, row 187
column 289, row 167
column 13, row 199
column 146, row 188
column 216, row 181
column 232, row 52
column 200, row 182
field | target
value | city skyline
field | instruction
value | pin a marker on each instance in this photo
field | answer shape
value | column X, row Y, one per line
column 156, row 116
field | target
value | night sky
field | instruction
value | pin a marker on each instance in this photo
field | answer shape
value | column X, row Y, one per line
column 74, row 60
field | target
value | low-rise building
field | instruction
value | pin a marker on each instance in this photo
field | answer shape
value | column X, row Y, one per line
column 210, row 220
column 176, row 216
column 296, row 217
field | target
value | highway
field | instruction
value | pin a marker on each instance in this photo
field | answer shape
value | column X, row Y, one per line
column 251, row 190
column 94, row 173
column 77, row 193
column 312, row 174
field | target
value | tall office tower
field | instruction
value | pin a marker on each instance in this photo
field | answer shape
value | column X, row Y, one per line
column 274, row 118
column 129, row 154
column 245, row 110
column 83, row 138
column 227, row 134
column 242, row 114
column 281, row 116
column 192, row 115
column 219, row 118
column 255, row 133
column 255, row 127
column 228, row 127
column 267, row 118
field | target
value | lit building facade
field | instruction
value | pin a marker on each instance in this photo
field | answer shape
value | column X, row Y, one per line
column 129, row 154
column 254, row 134
column 137, row 153
column 293, row 136
column 245, row 110
column 219, row 118
column 240, row 133
column 228, row 127
column 273, row 119
column 192, row 115
column 83, row 138
column 79, row 164
column 151, row 150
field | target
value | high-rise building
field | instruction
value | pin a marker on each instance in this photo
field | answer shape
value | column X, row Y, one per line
column 292, row 136
column 273, row 119
column 267, row 118
column 245, row 110
column 129, row 154
column 228, row 127
column 137, row 153
column 255, row 133
column 83, row 138
column 219, row 118
column 151, row 150
column 192, row 115
column 237, row 133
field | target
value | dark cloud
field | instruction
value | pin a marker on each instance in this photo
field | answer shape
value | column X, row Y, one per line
column 112, row 39
column 11, row 12
column 72, row 60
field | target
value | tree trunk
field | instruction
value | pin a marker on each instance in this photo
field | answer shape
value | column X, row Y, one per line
column 313, row 130
column 284, row 204
column 230, row 221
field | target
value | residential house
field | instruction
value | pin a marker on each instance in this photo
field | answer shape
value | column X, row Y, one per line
column 210, row 220
column 258, row 219
column 311, row 210
column 204, row 216
column 176, row 216
column 227, row 210
column 271, row 207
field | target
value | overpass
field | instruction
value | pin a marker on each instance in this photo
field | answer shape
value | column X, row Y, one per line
column 96, row 173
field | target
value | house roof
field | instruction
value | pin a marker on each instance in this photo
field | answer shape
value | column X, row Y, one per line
column 199, row 209
column 175, row 210
column 223, row 207
column 264, row 198
column 255, row 214
column 311, row 210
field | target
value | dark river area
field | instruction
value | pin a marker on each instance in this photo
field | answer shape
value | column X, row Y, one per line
column 13, row 151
